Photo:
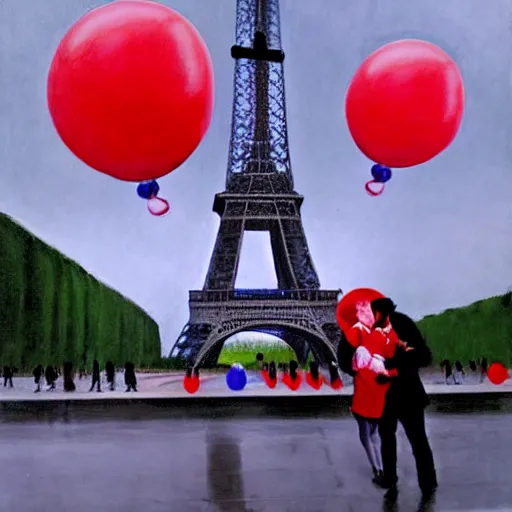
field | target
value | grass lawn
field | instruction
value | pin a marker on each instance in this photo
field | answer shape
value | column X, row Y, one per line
column 245, row 353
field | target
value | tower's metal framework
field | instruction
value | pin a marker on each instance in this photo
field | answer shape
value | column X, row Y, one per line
column 260, row 196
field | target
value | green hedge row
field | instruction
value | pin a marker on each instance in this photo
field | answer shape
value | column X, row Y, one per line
column 52, row 310
column 482, row 329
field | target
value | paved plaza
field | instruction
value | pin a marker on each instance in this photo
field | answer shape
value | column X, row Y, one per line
column 251, row 459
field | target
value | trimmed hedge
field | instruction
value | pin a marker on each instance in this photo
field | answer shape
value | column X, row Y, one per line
column 482, row 329
column 52, row 310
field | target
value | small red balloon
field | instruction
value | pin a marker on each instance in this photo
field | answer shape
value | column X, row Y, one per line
column 292, row 384
column 335, row 384
column 405, row 103
column 354, row 307
column 314, row 383
column 130, row 89
column 497, row 373
column 191, row 384
column 271, row 383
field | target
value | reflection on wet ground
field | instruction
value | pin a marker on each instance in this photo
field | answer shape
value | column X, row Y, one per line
column 242, row 456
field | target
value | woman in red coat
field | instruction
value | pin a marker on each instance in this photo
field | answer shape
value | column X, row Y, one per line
column 374, row 346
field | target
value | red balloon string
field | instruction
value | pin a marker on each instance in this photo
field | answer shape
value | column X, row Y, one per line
column 158, row 206
column 372, row 190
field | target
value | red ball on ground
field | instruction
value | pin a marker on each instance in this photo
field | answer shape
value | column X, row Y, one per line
column 314, row 383
column 191, row 384
column 292, row 384
column 497, row 374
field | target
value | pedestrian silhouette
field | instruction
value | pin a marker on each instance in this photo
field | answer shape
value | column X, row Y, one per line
column 293, row 369
column 50, row 375
column 460, row 372
column 313, row 370
column 272, row 372
column 448, row 372
column 483, row 368
column 96, row 377
column 83, row 366
column 111, row 374
column 69, row 385
column 8, row 373
column 38, row 375
column 472, row 366
column 130, row 378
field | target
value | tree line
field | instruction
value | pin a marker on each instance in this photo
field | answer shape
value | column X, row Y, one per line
column 481, row 329
column 52, row 310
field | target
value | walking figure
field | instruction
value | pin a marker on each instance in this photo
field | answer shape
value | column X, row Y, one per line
column 448, row 372
column 51, row 376
column 96, row 377
column 111, row 375
column 483, row 368
column 83, row 371
column 8, row 373
column 69, row 385
column 459, row 376
column 130, row 378
column 38, row 375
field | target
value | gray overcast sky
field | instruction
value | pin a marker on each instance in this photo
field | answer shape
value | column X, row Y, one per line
column 439, row 237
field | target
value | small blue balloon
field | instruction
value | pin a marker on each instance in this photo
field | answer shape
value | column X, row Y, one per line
column 148, row 189
column 381, row 173
column 236, row 378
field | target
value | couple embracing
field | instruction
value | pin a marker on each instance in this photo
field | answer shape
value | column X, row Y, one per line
column 384, row 360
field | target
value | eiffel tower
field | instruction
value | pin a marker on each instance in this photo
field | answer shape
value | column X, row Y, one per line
column 260, row 196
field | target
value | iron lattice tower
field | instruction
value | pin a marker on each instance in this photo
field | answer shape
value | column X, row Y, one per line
column 260, row 196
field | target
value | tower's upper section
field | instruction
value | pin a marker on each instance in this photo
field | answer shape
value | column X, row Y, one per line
column 258, row 150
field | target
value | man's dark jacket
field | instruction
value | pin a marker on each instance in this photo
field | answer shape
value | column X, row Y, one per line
column 407, row 389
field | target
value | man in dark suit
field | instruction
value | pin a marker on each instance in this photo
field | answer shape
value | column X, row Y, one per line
column 405, row 403
column 406, row 399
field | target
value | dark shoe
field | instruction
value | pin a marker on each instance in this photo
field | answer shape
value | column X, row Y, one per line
column 391, row 496
column 384, row 483
column 428, row 491
column 377, row 476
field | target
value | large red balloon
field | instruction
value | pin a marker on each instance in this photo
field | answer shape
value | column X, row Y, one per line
column 405, row 103
column 130, row 89
column 497, row 374
column 355, row 307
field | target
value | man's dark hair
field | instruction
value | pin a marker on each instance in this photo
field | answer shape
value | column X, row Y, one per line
column 383, row 306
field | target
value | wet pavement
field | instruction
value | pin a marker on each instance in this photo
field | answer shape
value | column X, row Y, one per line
column 256, row 458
